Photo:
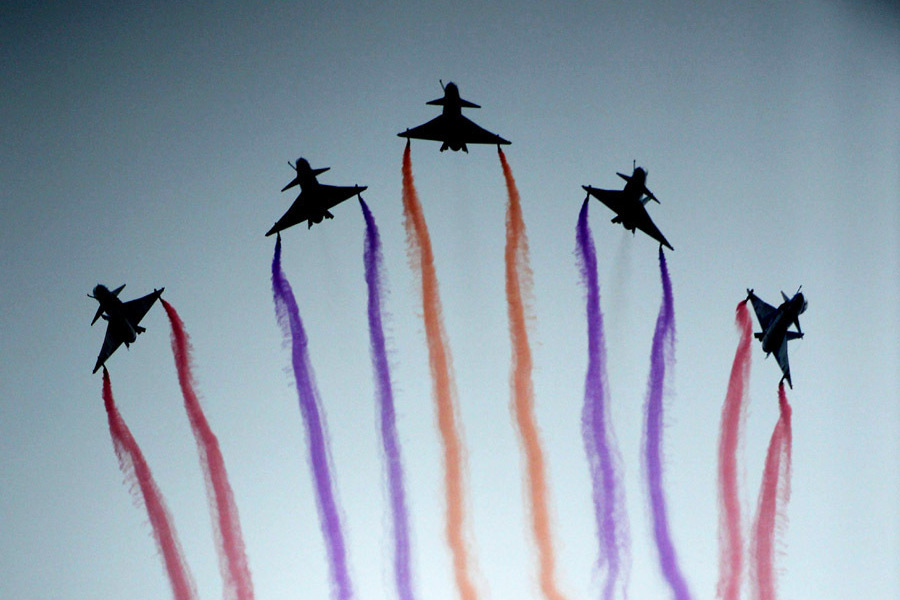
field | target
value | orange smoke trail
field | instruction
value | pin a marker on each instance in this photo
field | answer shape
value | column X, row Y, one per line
column 518, row 280
column 421, row 257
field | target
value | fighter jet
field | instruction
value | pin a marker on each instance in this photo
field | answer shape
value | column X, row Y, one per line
column 315, row 200
column 122, row 318
column 628, row 204
column 775, row 322
column 450, row 128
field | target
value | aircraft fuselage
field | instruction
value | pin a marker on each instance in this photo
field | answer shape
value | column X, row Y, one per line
column 113, row 310
column 788, row 312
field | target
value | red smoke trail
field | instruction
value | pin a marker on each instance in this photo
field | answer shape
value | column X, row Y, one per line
column 734, row 414
column 226, row 525
column 444, row 389
column 518, row 283
column 133, row 465
column 774, row 494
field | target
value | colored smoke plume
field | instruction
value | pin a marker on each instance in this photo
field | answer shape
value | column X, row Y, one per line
column 136, row 471
column 288, row 316
column 734, row 415
column 226, row 524
column 444, row 389
column 385, row 396
column 518, row 284
column 603, row 458
column 661, row 359
column 774, row 494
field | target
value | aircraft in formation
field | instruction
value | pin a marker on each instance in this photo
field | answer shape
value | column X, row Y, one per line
column 454, row 131
column 122, row 318
column 628, row 204
column 451, row 128
column 774, row 323
column 315, row 200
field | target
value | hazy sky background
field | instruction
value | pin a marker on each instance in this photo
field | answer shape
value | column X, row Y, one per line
column 148, row 146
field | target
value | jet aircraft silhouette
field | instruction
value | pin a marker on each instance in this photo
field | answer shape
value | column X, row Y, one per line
column 628, row 204
column 315, row 200
column 775, row 322
column 450, row 128
column 122, row 318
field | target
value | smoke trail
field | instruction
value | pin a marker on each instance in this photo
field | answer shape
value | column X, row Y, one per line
column 226, row 524
column 661, row 358
column 774, row 494
column 603, row 458
column 389, row 439
column 734, row 414
column 288, row 316
column 135, row 469
column 421, row 258
column 518, row 283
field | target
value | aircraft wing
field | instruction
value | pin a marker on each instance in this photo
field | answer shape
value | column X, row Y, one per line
column 781, row 355
column 631, row 214
column 315, row 208
column 471, row 133
column 111, row 343
column 646, row 224
column 332, row 195
column 137, row 308
column 443, row 129
column 613, row 199
column 765, row 314
column 435, row 129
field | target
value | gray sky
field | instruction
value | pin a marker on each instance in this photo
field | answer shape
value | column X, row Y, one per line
column 148, row 146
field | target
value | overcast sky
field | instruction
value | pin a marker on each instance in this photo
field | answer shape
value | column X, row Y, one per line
column 147, row 145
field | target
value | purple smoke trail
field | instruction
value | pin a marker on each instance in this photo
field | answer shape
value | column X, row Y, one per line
column 661, row 357
column 288, row 316
column 389, row 439
column 603, row 458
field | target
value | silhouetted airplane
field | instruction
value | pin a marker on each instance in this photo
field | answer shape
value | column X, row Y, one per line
column 628, row 204
column 450, row 128
column 775, row 322
column 122, row 318
column 315, row 199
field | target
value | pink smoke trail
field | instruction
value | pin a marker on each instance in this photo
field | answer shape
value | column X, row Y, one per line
column 135, row 469
column 226, row 525
column 661, row 358
column 288, row 315
column 518, row 284
column 389, row 438
column 774, row 494
column 734, row 414
column 603, row 458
